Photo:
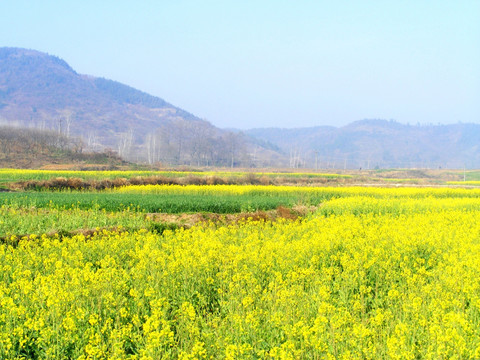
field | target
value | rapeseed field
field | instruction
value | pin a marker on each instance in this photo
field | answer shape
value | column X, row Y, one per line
column 33, row 174
column 373, row 273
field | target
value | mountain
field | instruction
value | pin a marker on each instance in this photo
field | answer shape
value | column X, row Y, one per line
column 378, row 143
column 41, row 91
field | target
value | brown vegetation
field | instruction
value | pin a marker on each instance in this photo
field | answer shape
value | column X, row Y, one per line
column 62, row 183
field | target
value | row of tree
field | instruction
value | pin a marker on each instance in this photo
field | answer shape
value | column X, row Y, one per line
column 175, row 142
column 186, row 142
column 33, row 141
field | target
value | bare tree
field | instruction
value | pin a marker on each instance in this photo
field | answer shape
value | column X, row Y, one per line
column 125, row 143
column 152, row 148
column 68, row 121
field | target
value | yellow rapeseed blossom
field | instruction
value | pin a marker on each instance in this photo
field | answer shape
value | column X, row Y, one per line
column 373, row 274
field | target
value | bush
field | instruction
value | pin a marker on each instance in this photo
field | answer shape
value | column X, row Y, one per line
column 119, row 182
column 76, row 183
column 215, row 180
column 193, row 180
column 249, row 179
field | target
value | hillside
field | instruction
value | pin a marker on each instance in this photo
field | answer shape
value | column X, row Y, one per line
column 42, row 91
column 378, row 143
column 35, row 148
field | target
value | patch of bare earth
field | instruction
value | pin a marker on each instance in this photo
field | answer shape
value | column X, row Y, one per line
column 189, row 220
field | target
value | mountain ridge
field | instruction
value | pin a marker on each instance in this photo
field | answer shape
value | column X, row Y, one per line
column 379, row 143
column 37, row 87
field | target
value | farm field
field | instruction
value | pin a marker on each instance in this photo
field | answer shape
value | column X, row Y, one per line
column 269, row 272
column 75, row 179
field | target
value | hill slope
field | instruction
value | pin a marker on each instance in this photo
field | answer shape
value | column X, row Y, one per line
column 34, row 148
column 43, row 91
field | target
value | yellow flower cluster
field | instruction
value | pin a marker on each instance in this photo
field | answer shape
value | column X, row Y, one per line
column 344, row 191
column 470, row 182
column 344, row 283
column 23, row 174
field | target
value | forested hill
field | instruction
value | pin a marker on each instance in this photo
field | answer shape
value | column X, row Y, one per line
column 378, row 143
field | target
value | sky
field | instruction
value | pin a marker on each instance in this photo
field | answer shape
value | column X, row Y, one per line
column 248, row 64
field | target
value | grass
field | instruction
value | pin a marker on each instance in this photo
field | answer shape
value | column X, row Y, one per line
column 21, row 221
column 171, row 203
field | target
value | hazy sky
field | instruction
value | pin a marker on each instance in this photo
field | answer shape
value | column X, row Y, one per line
column 271, row 63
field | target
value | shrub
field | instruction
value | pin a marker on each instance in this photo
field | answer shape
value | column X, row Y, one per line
column 215, row 180
column 193, row 180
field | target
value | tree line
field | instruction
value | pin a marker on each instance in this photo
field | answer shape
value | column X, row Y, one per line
column 176, row 142
column 187, row 142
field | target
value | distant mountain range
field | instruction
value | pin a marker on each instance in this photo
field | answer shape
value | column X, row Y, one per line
column 378, row 143
column 43, row 91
